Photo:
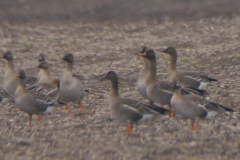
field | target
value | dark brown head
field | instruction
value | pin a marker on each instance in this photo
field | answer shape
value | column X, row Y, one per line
column 43, row 65
column 56, row 82
column 149, row 54
column 68, row 58
column 171, row 51
column 21, row 74
column 41, row 57
column 144, row 49
column 8, row 56
column 111, row 75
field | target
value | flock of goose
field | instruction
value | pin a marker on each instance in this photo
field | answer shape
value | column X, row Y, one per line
column 182, row 91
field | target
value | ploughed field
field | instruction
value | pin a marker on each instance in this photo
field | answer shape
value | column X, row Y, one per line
column 208, row 46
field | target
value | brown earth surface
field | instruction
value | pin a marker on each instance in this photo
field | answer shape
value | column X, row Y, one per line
column 209, row 46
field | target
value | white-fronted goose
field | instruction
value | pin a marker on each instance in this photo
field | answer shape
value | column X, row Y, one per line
column 129, row 110
column 192, row 79
column 143, row 76
column 32, row 103
column 161, row 91
column 71, row 88
column 195, row 107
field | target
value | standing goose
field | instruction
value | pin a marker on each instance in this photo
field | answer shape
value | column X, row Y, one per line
column 41, row 58
column 45, row 85
column 187, row 78
column 32, row 102
column 129, row 110
column 143, row 76
column 162, row 91
column 194, row 107
column 71, row 88
column 10, row 79
column 31, row 80
column 45, row 72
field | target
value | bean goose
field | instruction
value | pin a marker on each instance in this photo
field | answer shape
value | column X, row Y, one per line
column 162, row 91
column 32, row 102
column 10, row 79
column 41, row 58
column 129, row 110
column 45, row 85
column 45, row 72
column 194, row 107
column 192, row 79
column 143, row 76
column 31, row 80
column 71, row 88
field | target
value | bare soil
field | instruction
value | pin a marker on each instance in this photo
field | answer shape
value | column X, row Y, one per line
column 209, row 46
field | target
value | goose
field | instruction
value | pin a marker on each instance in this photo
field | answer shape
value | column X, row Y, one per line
column 32, row 80
column 10, row 80
column 32, row 102
column 192, row 79
column 129, row 110
column 143, row 76
column 162, row 91
column 44, row 72
column 46, row 85
column 71, row 88
column 195, row 107
column 41, row 58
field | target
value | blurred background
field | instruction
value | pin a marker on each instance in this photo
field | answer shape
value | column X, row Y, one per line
column 115, row 10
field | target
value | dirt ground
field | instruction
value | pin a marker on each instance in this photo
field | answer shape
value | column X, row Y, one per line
column 209, row 46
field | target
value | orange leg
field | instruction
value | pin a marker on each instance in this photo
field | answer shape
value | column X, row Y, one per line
column 130, row 127
column 170, row 112
column 197, row 124
column 80, row 106
column 192, row 126
column 40, row 119
column 69, row 113
column 174, row 114
column 60, row 108
column 30, row 119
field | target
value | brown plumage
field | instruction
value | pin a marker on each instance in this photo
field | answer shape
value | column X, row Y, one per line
column 129, row 110
column 71, row 88
column 192, row 79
